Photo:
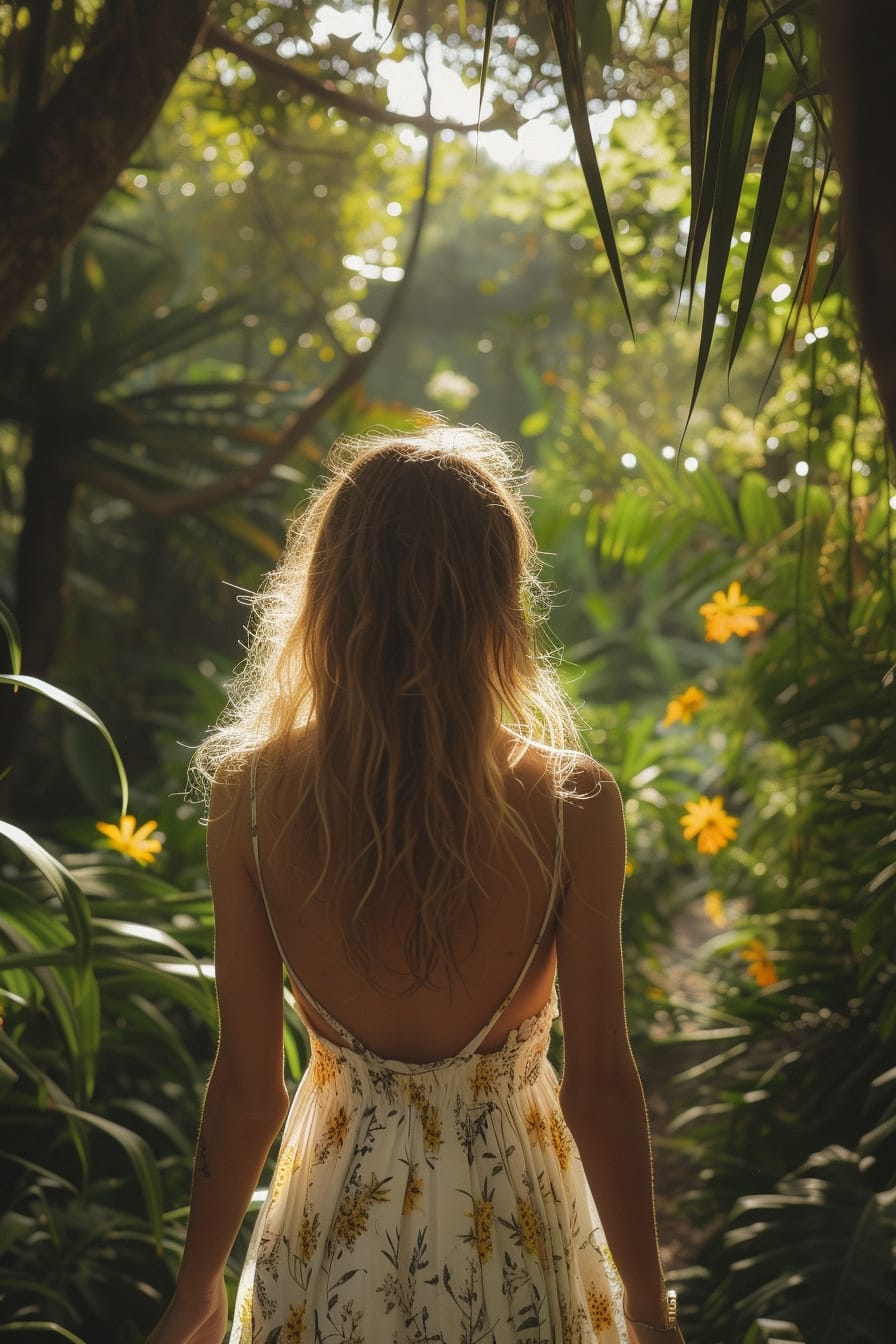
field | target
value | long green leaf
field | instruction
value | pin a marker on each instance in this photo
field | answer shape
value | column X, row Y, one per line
column 737, row 133
column 704, row 22
column 730, row 47
column 75, row 706
column 562, row 17
column 141, row 1158
column 10, row 628
column 490, row 12
column 61, row 882
column 768, row 202
column 44, row 1327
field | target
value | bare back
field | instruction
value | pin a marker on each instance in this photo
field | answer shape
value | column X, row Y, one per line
column 491, row 945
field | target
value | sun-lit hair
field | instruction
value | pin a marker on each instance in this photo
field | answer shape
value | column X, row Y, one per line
column 396, row 636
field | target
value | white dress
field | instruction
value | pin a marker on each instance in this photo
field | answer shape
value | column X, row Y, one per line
column 439, row 1203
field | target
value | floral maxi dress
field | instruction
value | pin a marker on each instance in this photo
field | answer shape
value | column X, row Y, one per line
column 439, row 1203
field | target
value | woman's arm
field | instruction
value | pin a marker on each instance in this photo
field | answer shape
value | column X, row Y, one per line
column 601, row 1093
column 246, row 1100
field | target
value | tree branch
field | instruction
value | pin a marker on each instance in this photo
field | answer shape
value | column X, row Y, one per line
column 323, row 91
column 53, row 176
column 215, row 492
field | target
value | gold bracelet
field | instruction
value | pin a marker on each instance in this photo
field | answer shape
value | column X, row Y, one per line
column 671, row 1315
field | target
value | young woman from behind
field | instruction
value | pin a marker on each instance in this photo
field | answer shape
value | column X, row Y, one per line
column 400, row 818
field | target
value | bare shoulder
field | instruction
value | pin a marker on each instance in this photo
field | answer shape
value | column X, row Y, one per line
column 229, row 812
column 594, row 835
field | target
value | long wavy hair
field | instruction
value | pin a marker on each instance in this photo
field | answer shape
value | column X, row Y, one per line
column 396, row 636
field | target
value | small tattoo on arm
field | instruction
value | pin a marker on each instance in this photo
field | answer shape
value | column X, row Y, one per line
column 202, row 1163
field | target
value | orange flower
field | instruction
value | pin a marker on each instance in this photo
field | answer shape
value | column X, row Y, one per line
column 714, row 908
column 683, row 707
column 128, row 839
column 760, row 963
column 730, row 613
column 708, row 823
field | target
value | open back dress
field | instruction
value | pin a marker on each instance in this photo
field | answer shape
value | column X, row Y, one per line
column 437, row 1203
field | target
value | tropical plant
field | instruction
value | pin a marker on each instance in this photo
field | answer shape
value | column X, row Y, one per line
column 108, row 1020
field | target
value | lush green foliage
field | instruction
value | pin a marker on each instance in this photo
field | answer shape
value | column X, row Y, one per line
column 761, row 975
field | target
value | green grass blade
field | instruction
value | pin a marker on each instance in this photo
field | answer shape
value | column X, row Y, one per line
column 562, row 17
column 75, row 706
column 768, row 202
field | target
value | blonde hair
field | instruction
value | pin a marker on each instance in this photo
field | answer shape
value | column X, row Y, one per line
column 395, row 637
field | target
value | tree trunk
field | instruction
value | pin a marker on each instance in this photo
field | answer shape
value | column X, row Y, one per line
column 860, row 59
column 60, row 164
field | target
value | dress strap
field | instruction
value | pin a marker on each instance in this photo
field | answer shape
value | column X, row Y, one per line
column 553, row 898
column 305, row 993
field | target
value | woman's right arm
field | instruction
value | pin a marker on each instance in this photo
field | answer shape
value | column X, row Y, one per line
column 601, row 1094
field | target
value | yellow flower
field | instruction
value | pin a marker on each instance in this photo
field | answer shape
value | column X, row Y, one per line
column 760, row 964
column 730, row 613
column 682, row 708
column 708, row 821
column 714, row 908
column 127, row 839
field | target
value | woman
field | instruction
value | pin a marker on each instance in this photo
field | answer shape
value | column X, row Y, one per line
column 400, row 818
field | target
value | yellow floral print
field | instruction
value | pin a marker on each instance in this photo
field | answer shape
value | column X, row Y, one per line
column 246, row 1319
column 429, row 1117
column 536, row 1126
column 333, row 1136
column 682, row 708
column 129, row 839
column 287, row 1163
column 295, row 1324
column 561, row 1140
column 730, row 613
column 483, row 1217
column 600, row 1308
column 708, row 822
column 309, row 1234
column 323, row 1065
column 353, row 1212
column 486, row 1074
column 529, row 1229
column 413, row 1191
column 760, row 967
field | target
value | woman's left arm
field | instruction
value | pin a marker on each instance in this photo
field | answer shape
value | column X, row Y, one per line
column 246, row 1099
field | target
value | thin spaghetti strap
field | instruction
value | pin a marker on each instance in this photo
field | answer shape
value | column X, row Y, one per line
column 549, row 911
column 305, row 993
